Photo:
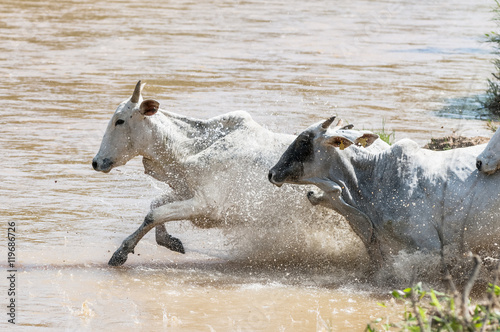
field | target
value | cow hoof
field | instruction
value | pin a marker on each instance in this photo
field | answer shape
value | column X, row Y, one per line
column 173, row 244
column 118, row 258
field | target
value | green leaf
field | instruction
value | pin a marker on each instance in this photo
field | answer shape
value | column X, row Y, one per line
column 452, row 304
column 397, row 294
column 456, row 326
column 435, row 302
column 422, row 314
column 369, row 328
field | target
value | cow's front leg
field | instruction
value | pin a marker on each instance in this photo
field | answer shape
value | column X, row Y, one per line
column 316, row 198
column 188, row 209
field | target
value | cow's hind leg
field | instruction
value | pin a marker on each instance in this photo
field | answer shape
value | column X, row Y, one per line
column 188, row 209
column 166, row 240
column 162, row 237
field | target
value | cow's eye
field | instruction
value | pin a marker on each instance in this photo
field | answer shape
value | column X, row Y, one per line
column 119, row 122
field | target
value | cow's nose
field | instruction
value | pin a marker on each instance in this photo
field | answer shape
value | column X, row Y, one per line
column 94, row 164
column 270, row 176
column 479, row 163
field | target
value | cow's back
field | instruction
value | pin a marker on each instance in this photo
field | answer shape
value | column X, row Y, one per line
column 427, row 189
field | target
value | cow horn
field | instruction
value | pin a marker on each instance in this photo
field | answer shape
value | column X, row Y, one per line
column 327, row 123
column 137, row 93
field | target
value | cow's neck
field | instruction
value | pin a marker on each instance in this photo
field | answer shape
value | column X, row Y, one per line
column 176, row 138
column 356, row 176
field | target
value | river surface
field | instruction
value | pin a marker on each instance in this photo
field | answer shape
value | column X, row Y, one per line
column 412, row 67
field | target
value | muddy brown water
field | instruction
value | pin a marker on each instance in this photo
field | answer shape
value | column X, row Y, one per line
column 66, row 65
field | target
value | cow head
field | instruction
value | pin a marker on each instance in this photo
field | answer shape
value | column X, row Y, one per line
column 489, row 160
column 127, row 133
column 310, row 152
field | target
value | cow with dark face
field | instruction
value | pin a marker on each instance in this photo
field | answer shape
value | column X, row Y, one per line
column 307, row 157
column 403, row 197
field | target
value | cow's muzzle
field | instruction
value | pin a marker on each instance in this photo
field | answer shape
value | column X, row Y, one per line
column 485, row 167
column 479, row 164
column 104, row 166
column 272, row 178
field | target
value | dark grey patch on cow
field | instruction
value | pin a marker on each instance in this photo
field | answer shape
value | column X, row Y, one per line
column 302, row 148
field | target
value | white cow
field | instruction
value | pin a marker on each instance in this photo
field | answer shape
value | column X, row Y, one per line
column 216, row 168
column 489, row 160
column 401, row 197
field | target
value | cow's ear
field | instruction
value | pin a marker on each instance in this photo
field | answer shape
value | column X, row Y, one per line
column 338, row 142
column 366, row 140
column 149, row 107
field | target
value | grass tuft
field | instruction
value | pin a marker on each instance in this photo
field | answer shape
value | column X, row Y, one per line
column 452, row 311
column 388, row 137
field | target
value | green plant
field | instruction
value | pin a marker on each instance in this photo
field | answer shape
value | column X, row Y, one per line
column 385, row 136
column 491, row 126
column 492, row 101
column 435, row 311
